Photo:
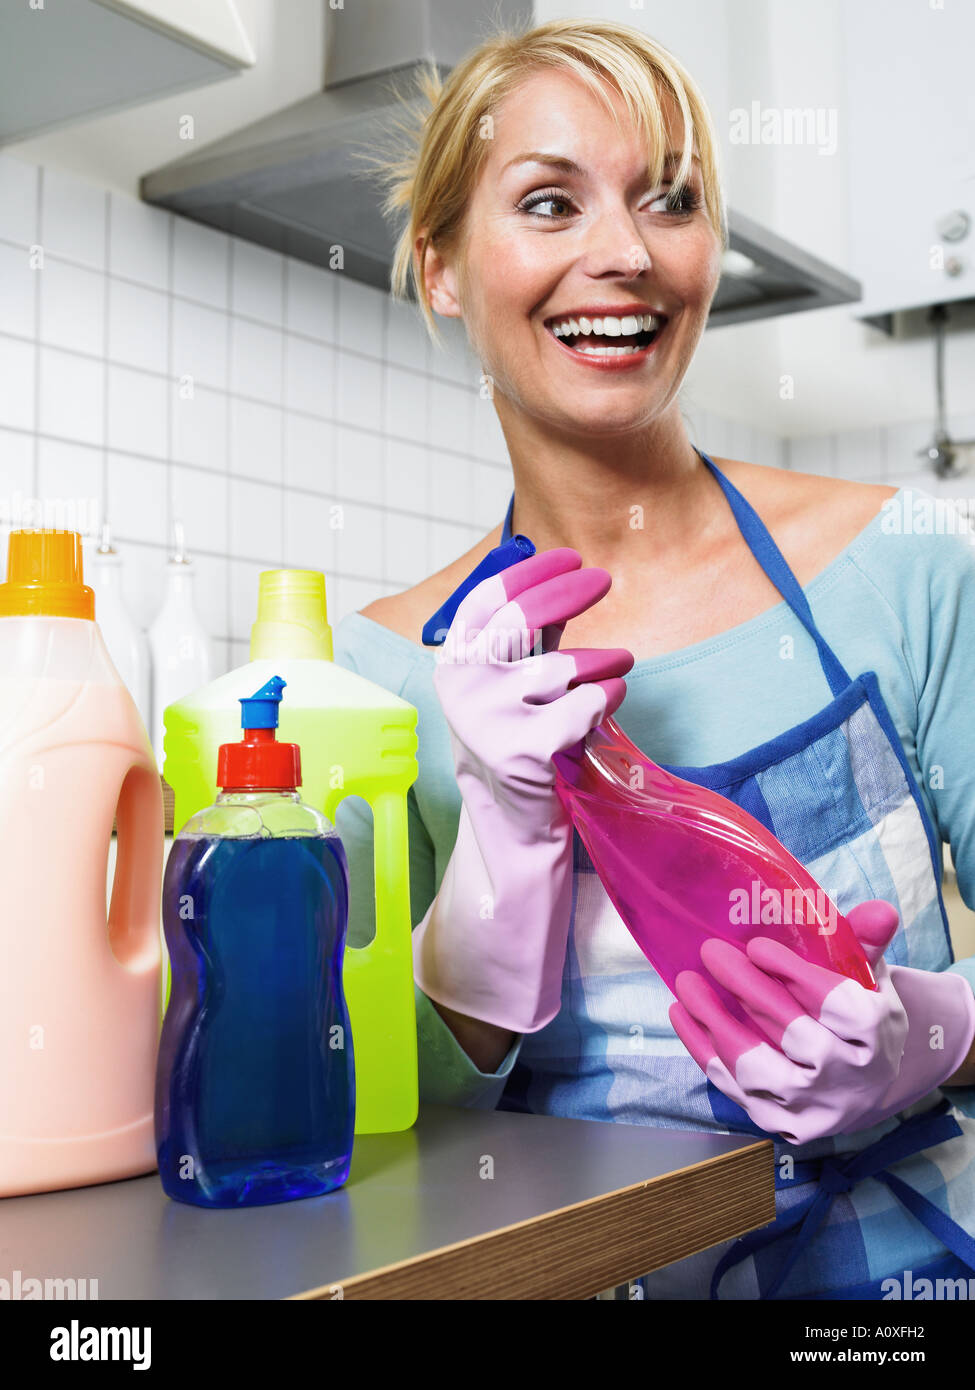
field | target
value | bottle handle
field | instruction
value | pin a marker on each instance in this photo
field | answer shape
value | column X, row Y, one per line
column 379, row 989
column 133, row 915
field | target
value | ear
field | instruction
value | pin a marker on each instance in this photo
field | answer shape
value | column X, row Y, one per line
column 441, row 282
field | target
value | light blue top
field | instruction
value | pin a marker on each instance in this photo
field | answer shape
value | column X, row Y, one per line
column 897, row 601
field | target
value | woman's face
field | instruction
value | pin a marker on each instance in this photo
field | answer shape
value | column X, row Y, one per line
column 587, row 250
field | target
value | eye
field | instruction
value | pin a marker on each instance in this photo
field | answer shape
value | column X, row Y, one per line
column 541, row 196
column 678, row 202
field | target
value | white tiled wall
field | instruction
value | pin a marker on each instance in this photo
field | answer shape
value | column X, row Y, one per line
column 152, row 369
column 876, row 454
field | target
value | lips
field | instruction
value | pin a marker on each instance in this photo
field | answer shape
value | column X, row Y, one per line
column 600, row 339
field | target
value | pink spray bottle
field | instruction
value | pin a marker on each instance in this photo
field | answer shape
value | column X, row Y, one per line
column 679, row 862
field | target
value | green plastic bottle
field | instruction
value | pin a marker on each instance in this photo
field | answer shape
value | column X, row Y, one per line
column 356, row 739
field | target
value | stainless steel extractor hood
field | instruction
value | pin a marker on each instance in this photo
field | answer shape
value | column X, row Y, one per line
column 296, row 182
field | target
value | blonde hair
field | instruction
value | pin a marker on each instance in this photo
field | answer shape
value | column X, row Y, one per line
column 433, row 173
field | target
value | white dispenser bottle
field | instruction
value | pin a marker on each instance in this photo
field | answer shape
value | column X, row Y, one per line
column 126, row 642
column 181, row 652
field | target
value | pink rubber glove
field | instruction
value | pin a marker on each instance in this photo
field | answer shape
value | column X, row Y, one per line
column 492, row 944
column 825, row 1056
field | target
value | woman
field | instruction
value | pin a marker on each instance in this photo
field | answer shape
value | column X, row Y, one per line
column 564, row 203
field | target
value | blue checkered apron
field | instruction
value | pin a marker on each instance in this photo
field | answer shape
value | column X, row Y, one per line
column 854, row 1210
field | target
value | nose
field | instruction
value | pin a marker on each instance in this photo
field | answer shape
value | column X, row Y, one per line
column 614, row 247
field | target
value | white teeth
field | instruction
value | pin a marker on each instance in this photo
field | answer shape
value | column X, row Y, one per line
column 592, row 350
column 611, row 326
column 629, row 325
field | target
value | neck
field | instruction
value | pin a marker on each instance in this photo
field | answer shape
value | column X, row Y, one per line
column 616, row 499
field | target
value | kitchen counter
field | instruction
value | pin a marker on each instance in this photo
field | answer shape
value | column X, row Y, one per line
column 468, row 1204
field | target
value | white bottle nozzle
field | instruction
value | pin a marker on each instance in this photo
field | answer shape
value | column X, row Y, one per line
column 179, row 555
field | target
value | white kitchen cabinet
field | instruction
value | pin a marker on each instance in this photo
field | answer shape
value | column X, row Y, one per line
column 68, row 60
column 911, row 136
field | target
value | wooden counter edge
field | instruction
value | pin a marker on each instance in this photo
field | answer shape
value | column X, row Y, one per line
column 580, row 1250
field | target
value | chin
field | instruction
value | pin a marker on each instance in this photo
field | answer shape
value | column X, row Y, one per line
column 604, row 418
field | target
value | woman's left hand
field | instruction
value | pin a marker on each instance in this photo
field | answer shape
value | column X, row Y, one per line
column 822, row 1055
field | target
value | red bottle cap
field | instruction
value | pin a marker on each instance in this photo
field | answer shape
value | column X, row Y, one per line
column 259, row 762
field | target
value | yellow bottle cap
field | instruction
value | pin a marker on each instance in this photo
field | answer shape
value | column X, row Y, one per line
column 45, row 576
column 292, row 616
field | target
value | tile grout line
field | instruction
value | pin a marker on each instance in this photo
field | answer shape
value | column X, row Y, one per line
column 229, row 407
column 166, row 379
column 383, row 424
column 172, row 395
column 282, row 423
column 419, row 373
column 38, row 272
column 106, row 346
column 365, row 503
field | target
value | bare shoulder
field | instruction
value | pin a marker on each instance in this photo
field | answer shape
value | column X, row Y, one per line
column 812, row 518
column 406, row 612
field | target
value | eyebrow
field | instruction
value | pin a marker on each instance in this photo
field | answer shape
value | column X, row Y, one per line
column 569, row 166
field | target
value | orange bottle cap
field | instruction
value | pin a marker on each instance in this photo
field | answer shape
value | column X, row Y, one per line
column 44, row 576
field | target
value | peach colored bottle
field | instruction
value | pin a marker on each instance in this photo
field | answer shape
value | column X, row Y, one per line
column 79, row 994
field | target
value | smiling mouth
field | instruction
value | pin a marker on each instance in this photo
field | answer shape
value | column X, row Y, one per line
column 583, row 337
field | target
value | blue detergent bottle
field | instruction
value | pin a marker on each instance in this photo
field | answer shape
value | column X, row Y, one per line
column 255, row 1083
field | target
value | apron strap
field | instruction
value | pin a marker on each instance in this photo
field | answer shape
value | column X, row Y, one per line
column 772, row 561
column 839, row 1173
column 506, row 533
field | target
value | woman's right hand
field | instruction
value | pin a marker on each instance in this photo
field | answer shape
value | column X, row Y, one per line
column 492, row 945
column 510, row 697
